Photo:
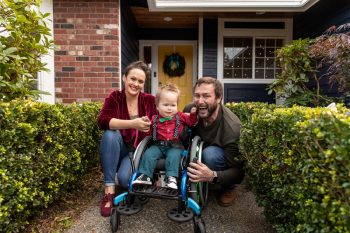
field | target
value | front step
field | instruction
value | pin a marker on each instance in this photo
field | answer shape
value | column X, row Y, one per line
column 156, row 192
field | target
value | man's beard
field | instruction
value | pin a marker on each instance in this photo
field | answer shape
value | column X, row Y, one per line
column 211, row 110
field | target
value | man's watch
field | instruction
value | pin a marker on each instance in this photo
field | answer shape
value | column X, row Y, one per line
column 215, row 179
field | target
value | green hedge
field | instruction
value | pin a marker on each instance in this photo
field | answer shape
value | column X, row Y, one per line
column 298, row 162
column 44, row 151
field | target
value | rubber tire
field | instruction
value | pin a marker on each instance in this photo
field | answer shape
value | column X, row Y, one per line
column 199, row 227
column 114, row 220
column 143, row 145
column 203, row 195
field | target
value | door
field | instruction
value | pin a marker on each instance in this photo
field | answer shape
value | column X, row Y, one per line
column 184, row 82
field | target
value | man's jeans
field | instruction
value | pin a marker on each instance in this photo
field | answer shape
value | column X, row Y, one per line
column 114, row 158
column 214, row 158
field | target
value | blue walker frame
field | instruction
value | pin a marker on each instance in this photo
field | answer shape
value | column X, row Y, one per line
column 192, row 197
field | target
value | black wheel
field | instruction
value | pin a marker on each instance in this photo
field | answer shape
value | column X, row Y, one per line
column 130, row 199
column 198, row 226
column 114, row 220
column 142, row 199
column 143, row 145
column 198, row 191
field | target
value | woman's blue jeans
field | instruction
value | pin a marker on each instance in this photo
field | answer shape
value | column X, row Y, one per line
column 114, row 157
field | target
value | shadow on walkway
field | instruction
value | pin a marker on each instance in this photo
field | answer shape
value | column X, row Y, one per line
column 242, row 217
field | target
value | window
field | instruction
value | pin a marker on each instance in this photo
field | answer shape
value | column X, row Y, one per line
column 250, row 57
column 247, row 49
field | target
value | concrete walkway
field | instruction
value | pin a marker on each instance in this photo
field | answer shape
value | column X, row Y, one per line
column 243, row 217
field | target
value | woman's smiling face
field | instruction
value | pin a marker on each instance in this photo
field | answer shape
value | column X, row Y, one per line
column 134, row 81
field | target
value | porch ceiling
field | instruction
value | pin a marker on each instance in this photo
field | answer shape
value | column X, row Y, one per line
column 155, row 19
column 230, row 5
column 186, row 13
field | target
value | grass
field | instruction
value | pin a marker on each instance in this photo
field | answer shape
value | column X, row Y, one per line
column 62, row 214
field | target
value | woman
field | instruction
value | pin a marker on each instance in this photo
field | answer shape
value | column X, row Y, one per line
column 125, row 118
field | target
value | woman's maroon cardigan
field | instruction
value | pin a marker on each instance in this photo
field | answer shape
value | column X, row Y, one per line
column 115, row 107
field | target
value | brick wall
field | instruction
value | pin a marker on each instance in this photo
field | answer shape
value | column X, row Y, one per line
column 86, row 35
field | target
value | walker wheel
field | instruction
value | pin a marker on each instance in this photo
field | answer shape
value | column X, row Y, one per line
column 180, row 216
column 198, row 225
column 114, row 220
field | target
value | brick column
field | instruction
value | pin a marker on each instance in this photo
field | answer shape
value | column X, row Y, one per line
column 86, row 35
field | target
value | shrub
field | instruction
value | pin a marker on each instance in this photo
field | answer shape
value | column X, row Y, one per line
column 332, row 50
column 44, row 151
column 24, row 39
column 297, row 68
column 298, row 166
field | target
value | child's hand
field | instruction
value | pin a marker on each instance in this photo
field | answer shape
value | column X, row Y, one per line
column 142, row 124
column 145, row 118
column 193, row 110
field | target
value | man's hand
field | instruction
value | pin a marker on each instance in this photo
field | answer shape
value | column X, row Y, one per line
column 142, row 124
column 199, row 172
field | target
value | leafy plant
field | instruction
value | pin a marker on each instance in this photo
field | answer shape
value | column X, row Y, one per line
column 24, row 39
column 332, row 50
column 297, row 162
column 45, row 149
column 297, row 69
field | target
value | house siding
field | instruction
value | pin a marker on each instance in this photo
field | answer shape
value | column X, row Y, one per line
column 129, row 40
column 315, row 22
column 210, row 47
column 86, row 36
column 320, row 17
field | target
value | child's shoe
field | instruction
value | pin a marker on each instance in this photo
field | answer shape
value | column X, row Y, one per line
column 143, row 180
column 171, row 182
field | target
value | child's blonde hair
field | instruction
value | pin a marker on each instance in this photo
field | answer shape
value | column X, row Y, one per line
column 167, row 87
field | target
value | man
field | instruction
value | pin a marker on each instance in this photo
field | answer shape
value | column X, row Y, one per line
column 219, row 128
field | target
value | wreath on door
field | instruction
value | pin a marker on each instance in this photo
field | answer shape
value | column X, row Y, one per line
column 174, row 65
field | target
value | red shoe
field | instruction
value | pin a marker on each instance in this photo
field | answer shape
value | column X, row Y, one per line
column 106, row 210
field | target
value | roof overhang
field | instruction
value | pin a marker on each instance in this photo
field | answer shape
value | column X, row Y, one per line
column 230, row 5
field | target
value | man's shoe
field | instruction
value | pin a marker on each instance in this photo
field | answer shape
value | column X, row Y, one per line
column 227, row 198
column 142, row 180
column 171, row 182
column 106, row 204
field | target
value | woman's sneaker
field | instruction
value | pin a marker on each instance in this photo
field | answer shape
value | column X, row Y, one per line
column 171, row 182
column 142, row 180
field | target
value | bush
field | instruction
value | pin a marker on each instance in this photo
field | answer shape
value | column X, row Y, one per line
column 44, row 151
column 24, row 39
column 298, row 166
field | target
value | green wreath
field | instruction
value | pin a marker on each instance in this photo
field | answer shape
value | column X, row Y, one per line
column 174, row 65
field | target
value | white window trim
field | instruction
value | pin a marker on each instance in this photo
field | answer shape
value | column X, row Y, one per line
column 46, row 80
column 286, row 34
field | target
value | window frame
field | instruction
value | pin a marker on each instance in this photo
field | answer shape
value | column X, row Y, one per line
column 286, row 34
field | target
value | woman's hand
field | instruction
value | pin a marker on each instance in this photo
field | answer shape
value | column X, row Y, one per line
column 199, row 172
column 142, row 124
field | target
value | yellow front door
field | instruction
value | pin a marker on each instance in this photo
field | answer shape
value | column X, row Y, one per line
column 184, row 82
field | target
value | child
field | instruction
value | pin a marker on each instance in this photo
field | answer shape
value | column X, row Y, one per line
column 166, row 129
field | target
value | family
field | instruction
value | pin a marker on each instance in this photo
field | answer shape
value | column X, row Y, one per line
column 129, row 115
